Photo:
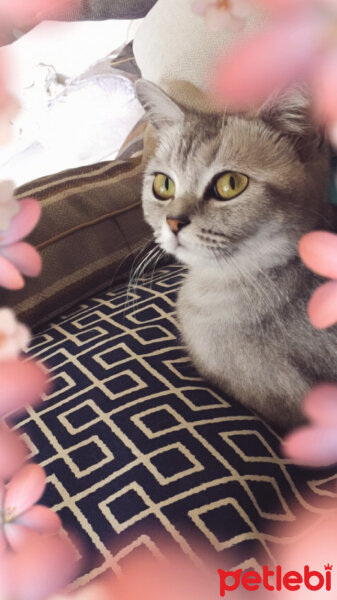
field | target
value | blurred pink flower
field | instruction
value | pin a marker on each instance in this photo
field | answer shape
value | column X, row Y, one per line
column 318, row 250
column 269, row 61
column 14, row 336
column 41, row 567
column 13, row 453
column 19, row 516
column 22, row 13
column 9, row 206
column 316, row 444
column 220, row 14
column 299, row 46
column 98, row 590
column 280, row 6
column 146, row 577
column 18, row 257
column 312, row 541
column 21, row 383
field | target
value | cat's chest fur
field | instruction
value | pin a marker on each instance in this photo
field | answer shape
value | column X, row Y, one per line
column 217, row 322
column 254, row 342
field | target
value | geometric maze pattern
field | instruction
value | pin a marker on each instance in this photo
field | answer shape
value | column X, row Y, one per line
column 139, row 450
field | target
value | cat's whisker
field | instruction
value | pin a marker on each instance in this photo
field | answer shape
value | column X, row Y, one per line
column 323, row 218
column 160, row 255
column 144, row 264
column 138, row 271
column 133, row 267
column 263, row 294
column 254, row 284
column 243, row 278
column 274, row 306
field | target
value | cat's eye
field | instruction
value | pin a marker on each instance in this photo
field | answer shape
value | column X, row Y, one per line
column 229, row 185
column 163, row 187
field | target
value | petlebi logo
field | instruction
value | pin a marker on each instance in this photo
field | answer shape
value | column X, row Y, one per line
column 276, row 579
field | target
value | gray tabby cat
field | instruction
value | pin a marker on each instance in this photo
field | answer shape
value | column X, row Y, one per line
column 230, row 196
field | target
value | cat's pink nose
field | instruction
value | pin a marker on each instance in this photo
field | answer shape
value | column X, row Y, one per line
column 176, row 224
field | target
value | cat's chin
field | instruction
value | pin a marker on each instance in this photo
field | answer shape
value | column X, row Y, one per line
column 186, row 256
column 189, row 257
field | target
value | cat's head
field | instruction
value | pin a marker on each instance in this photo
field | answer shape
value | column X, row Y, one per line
column 233, row 186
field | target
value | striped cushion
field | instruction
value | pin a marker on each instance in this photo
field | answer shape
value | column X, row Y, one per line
column 90, row 230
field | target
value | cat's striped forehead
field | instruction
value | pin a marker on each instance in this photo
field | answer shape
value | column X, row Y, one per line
column 194, row 151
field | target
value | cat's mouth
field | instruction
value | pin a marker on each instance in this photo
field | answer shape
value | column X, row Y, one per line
column 186, row 247
column 189, row 252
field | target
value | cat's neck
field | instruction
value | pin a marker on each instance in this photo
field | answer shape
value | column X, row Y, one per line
column 245, row 293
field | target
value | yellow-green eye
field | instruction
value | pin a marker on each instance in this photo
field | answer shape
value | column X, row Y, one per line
column 163, row 187
column 230, row 185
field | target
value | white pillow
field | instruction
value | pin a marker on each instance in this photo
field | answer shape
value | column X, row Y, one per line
column 172, row 43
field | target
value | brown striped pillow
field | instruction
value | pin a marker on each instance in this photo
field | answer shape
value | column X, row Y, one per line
column 91, row 228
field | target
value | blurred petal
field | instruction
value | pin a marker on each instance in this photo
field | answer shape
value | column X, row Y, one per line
column 332, row 133
column 13, row 453
column 18, row 536
column 320, row 405
column 219, row 19
column 41, row 519
column 3, row 545
column 200, row 7
column 24, row 257
column 318, row 250
column 241, row 8
column 21, row 383
column 3, row 542
column 267, row 62
column 42, row 568
column 26, row 487
column 9, row 275
column 100, row 590
column 312, row 446
column 322, row 308
column 282, row 5
column 23, row 12
column 23, row 223
column 5, row 576
column 146, row 578
column 313, row 542
column 324, row 85
column 279, row 6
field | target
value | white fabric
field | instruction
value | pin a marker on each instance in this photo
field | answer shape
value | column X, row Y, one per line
column 66, row 120
column 89, row 117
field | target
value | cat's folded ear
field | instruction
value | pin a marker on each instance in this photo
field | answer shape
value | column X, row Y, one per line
column 290, row 113
column 160, row 109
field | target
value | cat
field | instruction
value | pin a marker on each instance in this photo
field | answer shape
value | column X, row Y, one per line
column 230, row 195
